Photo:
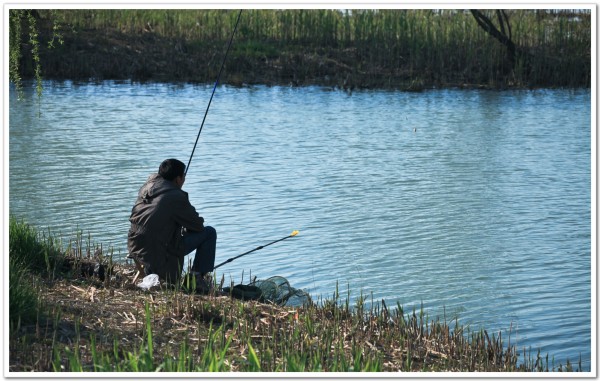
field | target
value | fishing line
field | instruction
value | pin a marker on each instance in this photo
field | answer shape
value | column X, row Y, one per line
column 213, row 91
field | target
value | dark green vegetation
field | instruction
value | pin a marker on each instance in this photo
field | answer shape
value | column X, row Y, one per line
column 393, row 48
column 64, row 316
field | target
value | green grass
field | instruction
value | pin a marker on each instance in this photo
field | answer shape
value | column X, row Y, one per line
column 30, row 254
column 35, row 256
column 23, row 295
column 31, row 250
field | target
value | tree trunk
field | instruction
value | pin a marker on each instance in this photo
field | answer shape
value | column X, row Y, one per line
column 504, row 35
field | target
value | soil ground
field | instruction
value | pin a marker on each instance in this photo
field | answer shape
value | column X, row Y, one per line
column 148, row 57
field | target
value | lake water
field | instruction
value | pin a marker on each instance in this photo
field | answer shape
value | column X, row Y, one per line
column 474, row 204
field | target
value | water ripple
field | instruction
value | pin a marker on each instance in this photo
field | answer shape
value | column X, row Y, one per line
column 481, row 214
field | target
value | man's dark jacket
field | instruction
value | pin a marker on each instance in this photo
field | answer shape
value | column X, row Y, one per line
column 157, row 218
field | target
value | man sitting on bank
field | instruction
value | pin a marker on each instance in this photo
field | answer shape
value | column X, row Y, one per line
column 165, row 228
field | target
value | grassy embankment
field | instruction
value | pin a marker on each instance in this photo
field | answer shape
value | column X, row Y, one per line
column 65, row 318
column 402, row 49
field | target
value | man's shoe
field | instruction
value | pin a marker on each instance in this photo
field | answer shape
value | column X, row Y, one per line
column 194, row 281
column 202, row 285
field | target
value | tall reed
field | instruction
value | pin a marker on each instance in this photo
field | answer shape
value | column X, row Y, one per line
column 438, row 46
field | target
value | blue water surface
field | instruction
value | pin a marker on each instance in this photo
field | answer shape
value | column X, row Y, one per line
column 474, row 204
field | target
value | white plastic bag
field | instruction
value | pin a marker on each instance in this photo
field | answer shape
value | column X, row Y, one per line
column 149, row 281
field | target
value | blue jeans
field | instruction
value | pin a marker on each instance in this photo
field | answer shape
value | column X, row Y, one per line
column 205, row 244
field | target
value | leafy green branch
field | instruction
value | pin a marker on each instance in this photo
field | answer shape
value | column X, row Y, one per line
column 24, row 33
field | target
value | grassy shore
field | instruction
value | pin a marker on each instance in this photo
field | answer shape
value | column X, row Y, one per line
column 67, row 316
column 407, row 49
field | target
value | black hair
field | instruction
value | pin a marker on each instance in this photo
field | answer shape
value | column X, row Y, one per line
column 171, row 168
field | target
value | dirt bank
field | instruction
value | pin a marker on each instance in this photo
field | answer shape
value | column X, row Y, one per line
column 112, row 55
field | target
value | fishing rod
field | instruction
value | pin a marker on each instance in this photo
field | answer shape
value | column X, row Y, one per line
column 293, row 234
column 213, row 91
